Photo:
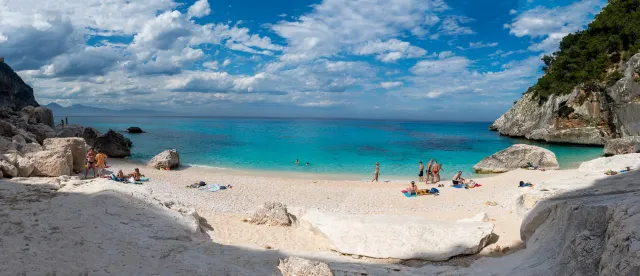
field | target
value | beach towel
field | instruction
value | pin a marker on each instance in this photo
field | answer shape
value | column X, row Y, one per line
column 420, row 192
column 459, row 186
column 213, row 187
column 144, row 179
column 407, row 194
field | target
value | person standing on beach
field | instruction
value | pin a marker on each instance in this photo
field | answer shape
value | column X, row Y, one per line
column 376, row 173
column 428, row 171
column 91, row 162
column 420, row 174
column 101, row 163
column 436, row 172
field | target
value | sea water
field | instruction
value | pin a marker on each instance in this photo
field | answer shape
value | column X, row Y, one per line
column 349, row 147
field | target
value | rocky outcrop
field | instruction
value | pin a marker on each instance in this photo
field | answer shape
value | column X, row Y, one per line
column 113, row 144
column 8, row 170
column 272, row 214
column 23, row 165
column 168, row 159
column 39, row 115
column 398, row 237
column 135, row 130
column 515, row 157
column 622, row 146
column 41, row 132
column 582, row 224
column 590, row 114
column 76, row 145
column 14, row 93
column 296, row 266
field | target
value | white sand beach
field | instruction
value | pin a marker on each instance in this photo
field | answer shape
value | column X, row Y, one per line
column 225, row 209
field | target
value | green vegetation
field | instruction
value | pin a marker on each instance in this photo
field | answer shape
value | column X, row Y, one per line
column 588, row 56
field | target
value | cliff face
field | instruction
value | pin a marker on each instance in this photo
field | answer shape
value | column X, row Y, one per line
column 14, row 93
column 590, row 115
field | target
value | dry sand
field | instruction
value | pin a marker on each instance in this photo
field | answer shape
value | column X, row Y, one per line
column 225, row 209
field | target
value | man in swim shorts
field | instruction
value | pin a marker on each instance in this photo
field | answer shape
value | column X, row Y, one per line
column 91, row 162
column 420, row 174
column 428, row 171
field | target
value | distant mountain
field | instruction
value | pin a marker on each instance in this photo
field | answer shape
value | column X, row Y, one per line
column 83, row 110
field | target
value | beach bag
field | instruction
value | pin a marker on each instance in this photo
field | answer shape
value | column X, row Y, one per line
column 434, row 191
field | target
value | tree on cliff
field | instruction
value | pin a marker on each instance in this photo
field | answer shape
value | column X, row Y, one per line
column 588, row 56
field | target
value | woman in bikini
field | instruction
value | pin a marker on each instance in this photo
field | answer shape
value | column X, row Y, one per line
column 136, row 174
column 91, row 163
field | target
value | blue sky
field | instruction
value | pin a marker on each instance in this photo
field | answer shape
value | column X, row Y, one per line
column 401, row 59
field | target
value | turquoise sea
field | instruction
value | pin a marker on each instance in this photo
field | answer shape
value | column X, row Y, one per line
column 331, row 146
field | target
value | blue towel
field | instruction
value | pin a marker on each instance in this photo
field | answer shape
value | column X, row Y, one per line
column 459, row 186
column 212, row 187
column 409, row 195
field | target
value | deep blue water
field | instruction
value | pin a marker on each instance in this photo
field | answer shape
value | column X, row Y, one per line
column 330, row 145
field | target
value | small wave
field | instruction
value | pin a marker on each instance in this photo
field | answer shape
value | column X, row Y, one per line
column 205, row 166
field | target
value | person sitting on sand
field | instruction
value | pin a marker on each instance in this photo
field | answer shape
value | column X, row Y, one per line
column 91, row 162
column 457, row 179
column 101, row 163
column 120, row 175
column 413, row 189
column 376, row 172
column 136, row 174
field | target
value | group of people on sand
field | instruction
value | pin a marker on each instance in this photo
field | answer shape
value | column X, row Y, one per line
column 97, row 161
column 432, row 172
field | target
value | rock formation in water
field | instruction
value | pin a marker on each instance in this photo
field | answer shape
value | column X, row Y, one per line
column 589, row 115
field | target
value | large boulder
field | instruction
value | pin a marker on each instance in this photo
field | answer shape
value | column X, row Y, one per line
column 622, row 146
column 272, row 214
column 30, row 147
column 52, row 162
column 398, row 237
column 296, row 266
column 113, row 144
column 76, row 145
column 41, row 132
column 515, row 157
column 24, row 166
column 7, row 169
column 166, row 159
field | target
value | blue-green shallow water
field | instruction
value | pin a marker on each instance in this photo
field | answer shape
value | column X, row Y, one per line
column 331, row 146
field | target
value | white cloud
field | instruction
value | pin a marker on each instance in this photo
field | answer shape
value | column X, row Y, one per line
column 226, row 62
column 553, row 24
column 440, row 66
column 512, row 11
column 335, row 26
column 451, row 25
column 476, row 45
column 199, row 9
column 390, row 50
column 391, row 84
column 211, row 65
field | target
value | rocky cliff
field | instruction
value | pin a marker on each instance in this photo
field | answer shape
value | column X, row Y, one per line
column 14, row 93
column 589, row 115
